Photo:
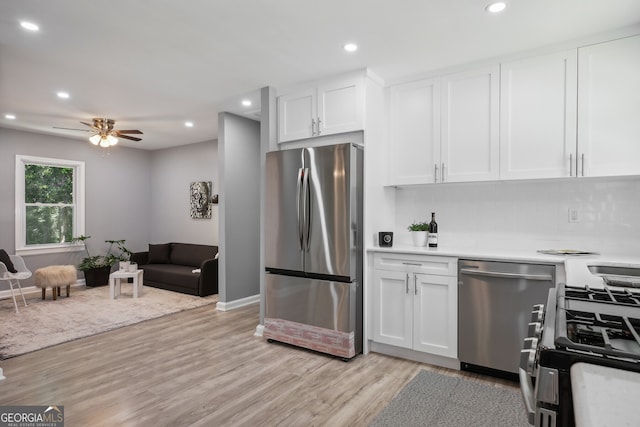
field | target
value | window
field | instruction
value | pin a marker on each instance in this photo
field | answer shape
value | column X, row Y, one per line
column 49, row 204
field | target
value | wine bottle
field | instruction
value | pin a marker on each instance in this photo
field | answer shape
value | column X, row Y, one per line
column 432, row 235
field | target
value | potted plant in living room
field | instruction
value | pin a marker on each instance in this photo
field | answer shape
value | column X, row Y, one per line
column 96, row 268
column 419, row 233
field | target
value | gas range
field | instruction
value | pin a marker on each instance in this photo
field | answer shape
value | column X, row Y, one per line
column 578, row 324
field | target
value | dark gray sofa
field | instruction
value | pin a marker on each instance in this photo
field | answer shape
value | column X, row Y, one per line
column 170, row 266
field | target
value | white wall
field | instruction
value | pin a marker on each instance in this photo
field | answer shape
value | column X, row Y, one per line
column 172, row 171
column 528, row 214
column 240, row 177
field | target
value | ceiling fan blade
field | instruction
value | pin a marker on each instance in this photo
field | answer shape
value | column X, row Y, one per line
column 130, row 137
column 136, row 131
column 81, row 130
column 88, row 124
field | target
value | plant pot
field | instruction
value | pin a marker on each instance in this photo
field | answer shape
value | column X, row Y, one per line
column 419, row 238
column 97, row 276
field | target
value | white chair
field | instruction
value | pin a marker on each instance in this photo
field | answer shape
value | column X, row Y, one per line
column 14, row 278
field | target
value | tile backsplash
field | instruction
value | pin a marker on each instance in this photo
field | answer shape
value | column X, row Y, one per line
column 528, row 214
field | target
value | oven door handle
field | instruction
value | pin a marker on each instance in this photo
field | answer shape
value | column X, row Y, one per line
column 526, row 387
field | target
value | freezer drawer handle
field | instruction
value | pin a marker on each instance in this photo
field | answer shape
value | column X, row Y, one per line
column 541, row 277
column 412, row 263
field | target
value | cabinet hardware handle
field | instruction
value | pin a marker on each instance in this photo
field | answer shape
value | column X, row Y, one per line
column 318, row 126
column 313, row 127
column 571, row 164
column 435, row 173
column 415, row 284
column 412, row 263
column 582, row 164
column 442, row 173
column 406, row 282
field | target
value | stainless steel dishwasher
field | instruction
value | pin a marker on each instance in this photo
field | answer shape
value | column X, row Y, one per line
column 494, row 310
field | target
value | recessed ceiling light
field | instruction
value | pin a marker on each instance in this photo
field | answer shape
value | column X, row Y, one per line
column 63, row 95
column 188, row 124
column 246, row 102
column 29, row 26
column 496, row 7
column 10, row 116
column 350, row 47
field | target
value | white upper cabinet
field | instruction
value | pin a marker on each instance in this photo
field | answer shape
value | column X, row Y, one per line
column 296, row 115
column 328, row 108
column 414, row 145
column 445, row 129
column 538, row 117
column 470, row 123
column 609, row 108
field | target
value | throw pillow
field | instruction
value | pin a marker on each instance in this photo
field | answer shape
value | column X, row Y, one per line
column 4, row 257
column 159, row 254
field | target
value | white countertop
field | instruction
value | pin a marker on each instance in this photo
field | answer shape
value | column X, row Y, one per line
column 576, row 266
column 604, row 396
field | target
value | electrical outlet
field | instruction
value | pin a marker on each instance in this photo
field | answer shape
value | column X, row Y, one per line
column 573, row 215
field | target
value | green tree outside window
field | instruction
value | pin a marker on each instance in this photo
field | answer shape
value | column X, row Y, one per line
column 49, row 204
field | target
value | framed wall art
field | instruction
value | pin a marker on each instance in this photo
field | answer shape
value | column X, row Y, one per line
column 200, row 202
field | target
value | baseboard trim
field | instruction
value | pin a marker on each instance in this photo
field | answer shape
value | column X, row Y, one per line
column 232, row 305
column 259, row 331
column 31, row 290
column 417, row 356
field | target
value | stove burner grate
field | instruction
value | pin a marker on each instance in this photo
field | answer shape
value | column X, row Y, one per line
column 606, row 295
column 602, row 333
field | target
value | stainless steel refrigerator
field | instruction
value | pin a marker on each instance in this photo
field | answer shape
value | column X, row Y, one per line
column 313, row 253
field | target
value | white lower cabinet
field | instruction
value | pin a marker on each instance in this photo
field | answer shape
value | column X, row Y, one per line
column 416, row 310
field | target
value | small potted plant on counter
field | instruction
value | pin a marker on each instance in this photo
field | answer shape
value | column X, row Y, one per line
column 419, row 233
column 96, row 268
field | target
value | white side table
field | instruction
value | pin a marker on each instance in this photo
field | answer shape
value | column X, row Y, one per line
column 115, row 278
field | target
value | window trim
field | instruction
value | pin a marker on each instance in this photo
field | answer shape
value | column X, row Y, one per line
column 20, row 215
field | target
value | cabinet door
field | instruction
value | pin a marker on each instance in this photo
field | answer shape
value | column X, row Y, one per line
column 538, row 116
column 470, row 144
column 609, row 107
column 414, row 145
column 340, row 106
column 295, row 114
column 435, row 327
column 393, row 308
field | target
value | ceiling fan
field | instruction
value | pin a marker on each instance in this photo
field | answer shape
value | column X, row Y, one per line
column 105, row 135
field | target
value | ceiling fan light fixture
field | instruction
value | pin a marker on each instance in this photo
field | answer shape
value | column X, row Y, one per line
column 95, row 139
column 104, row 143
column 112, row 140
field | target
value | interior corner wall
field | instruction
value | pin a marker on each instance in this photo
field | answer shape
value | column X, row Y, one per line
column 172, row 171
column 117, row 197
column 240, row 177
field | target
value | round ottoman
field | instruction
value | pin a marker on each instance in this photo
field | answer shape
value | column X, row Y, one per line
column 54, row 277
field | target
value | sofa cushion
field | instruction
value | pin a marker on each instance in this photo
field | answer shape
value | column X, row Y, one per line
column 4, row 257
column 179, row 275
column 159, row 254
column 190, row 254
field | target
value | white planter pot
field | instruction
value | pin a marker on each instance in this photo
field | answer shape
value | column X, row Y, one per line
column 419, row 238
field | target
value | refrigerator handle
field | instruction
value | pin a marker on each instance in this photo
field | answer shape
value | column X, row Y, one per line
column 306, row 209
column 298, row 194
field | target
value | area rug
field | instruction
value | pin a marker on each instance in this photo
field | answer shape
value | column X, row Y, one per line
column 432, row 399
column 88, row 311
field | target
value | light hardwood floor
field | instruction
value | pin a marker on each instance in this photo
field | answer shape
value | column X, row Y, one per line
column 205, row 368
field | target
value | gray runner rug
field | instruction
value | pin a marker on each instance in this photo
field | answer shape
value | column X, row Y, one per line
column 432, row 399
